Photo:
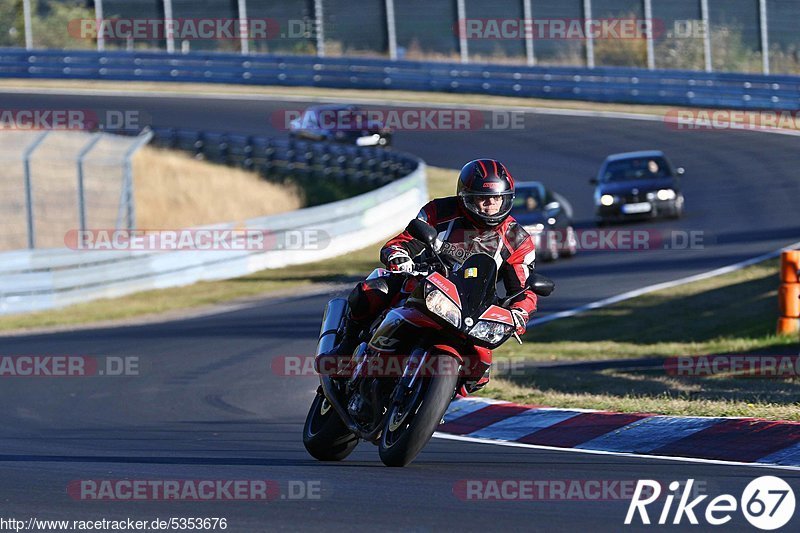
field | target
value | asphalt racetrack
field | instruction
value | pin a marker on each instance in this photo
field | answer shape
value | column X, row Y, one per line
column 206, row 401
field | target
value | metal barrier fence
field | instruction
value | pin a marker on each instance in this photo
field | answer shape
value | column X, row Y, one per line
column 54, row 181
column 624, row 85
column 719, row 35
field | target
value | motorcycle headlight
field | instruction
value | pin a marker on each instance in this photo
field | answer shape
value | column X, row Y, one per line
column 607, row 200
column 443, row 306
column 490, row 332
column 665, row 194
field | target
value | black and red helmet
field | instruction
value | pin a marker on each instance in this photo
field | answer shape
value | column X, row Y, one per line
column 482, row 178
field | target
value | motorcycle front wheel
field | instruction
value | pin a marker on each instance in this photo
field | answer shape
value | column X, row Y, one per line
column 325, row 436
column 410, row 424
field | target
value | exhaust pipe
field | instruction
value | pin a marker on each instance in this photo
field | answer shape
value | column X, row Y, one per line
column 331, row 322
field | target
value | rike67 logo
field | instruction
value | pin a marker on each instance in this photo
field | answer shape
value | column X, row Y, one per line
column 767, row 503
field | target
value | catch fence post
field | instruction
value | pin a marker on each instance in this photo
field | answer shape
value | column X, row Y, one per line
column 127, row 187
column 391, row 30
column 26, row 158
column 587, row 28
column 706, row 35
column 463, row 45
column 81, row 196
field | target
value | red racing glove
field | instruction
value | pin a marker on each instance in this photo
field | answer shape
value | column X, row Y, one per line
column 520, row 320
column 399, row 262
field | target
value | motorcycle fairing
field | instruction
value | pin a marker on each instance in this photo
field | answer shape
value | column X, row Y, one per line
column 498, row 314
column 401, row 327
column 446, row 286
column 475, row 283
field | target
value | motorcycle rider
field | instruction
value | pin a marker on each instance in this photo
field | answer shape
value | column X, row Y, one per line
column 475, row 220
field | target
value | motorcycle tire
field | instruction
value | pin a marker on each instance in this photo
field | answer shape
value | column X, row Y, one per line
column 400, row 448
column 325, row 436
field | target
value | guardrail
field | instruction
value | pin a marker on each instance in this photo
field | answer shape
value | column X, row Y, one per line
column 32, row 280
column 602, row 84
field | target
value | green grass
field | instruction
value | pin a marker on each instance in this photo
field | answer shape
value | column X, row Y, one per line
column 731, row 314
column 736, row 312
column 629, row 392
column 350, row 267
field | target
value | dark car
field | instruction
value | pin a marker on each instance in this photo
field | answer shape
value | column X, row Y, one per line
column 547, row 216
column 637, row 185
column 340, row 123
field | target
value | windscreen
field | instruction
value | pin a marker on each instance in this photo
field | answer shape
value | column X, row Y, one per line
column 642, row 168
column 527, row 199
column 476, row 281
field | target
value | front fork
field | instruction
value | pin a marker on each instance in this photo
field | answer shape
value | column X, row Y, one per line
column 411, row 373
column 420, row 365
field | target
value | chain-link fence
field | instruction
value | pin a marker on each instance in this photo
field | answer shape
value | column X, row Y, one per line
column 53, row 182
column 719, row 35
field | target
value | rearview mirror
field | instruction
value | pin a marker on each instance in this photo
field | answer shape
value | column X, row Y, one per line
column 541, row 285
column 422, row 231
column 593, row 180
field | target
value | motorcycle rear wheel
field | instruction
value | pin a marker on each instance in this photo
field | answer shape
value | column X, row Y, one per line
column 406, row 433
column 325, row 436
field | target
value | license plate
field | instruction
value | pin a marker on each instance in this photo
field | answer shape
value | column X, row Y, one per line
column 643, row 207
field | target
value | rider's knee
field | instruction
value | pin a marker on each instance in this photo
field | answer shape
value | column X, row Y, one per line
column 368, row 298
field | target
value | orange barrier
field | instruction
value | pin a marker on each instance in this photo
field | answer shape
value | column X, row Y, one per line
column 789, row 293
column 790, row 266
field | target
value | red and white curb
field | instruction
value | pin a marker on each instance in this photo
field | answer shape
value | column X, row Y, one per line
column 740, row 440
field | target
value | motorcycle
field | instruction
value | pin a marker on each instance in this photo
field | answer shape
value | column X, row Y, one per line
column 417, row 356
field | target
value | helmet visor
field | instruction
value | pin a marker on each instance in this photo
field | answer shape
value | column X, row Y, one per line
column 491, row 208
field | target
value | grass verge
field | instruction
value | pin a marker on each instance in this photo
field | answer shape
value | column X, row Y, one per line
column 733, row 313
column 174, row 190
column 346, row 268
column 627, row 392
column 730, row 314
